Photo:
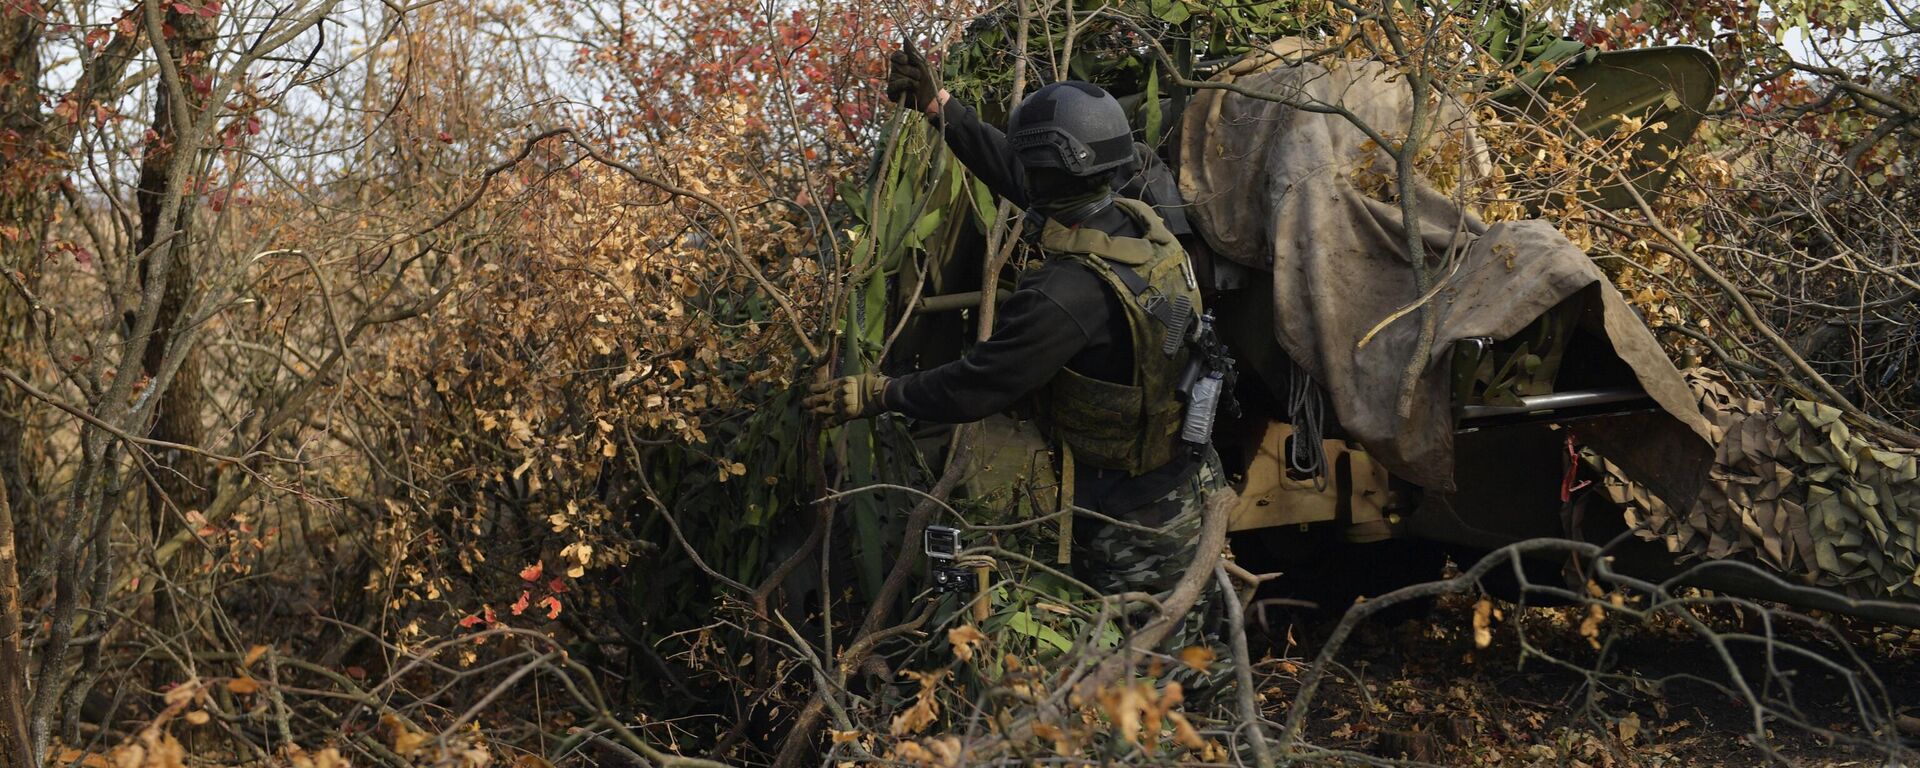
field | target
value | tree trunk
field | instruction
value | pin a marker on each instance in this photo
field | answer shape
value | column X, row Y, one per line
column 181, row 478
column 25, row 175
column 14, row 752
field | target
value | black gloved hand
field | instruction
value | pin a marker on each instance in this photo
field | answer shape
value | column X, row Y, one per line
column 910, row 79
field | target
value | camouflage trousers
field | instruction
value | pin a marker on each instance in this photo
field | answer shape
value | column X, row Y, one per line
column 1152, row 550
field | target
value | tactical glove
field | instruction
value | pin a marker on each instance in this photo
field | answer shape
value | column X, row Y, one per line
column 847, row 398
column 910, row 80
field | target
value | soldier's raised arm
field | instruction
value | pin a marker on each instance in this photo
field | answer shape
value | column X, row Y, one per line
column 982, row 148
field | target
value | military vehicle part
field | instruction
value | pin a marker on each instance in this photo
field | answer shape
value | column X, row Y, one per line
column 1359, row 493
column 1555, row 402
column 1660, row 94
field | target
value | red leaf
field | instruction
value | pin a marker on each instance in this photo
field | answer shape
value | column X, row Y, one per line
column 183, row 8
column 253, row 125
column 357, row 673
column 532, row 572
column 552, row 604
column 470, row 622
column 556, row 585
column 520, row 606
column 445, row 138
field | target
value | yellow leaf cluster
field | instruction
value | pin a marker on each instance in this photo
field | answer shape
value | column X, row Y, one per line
column 942, row 752
column 1483, row 623
column 965, row 639
column 926, row 704
column 603, row 314
column 152, row 748
column 1139, row 714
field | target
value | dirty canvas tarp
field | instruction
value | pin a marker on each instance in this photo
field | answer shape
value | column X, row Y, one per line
column 1301, row 194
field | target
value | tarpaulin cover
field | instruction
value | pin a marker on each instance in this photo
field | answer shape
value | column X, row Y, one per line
column 1305, row 194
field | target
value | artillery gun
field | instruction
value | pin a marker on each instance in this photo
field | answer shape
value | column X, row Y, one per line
column 1563, row 419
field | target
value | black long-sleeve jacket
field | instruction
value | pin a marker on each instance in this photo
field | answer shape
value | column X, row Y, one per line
column 1060, row 315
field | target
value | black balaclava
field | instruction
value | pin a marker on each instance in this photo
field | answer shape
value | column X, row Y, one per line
column 1068, row 199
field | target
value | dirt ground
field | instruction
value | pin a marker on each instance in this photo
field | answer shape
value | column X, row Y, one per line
column 1423, row 689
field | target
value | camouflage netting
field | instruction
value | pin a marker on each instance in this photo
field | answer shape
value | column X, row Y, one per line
column 1794, row 488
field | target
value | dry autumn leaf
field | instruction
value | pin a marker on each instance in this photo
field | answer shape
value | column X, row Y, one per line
column 153, row 748
column 181, row 693
column 243, row 685
column 926, row 705
column 1629, row 727
column 1482, row 623
column 941, row 752
column 1197, row 657
column 1590, row 626
column 406, row 740
column 1184, row 733
column 965, row 639
column 946, row 750
column 71, row 756
column 1136, row 710
column 1063, row 743
column 325, row 758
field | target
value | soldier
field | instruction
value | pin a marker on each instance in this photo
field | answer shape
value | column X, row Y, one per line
column 1084, row 338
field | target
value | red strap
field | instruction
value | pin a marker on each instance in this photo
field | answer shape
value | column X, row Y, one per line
column 1570, row 480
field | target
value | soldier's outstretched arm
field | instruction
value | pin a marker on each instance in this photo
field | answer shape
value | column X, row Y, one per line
column 983, row 149
column 1036, row 336
column 980, row 147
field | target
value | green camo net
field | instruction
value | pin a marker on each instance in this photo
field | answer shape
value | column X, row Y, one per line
column 1794, row 488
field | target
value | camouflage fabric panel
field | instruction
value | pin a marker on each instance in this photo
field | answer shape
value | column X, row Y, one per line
column 1795, row 489
column 1523, row 365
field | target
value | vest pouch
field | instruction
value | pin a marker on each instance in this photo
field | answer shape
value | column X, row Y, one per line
column 1103, row 422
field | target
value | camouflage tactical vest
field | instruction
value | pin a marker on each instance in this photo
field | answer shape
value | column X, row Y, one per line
column 1136, row 426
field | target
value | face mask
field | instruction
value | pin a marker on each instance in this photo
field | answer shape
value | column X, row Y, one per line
column 1072, row 208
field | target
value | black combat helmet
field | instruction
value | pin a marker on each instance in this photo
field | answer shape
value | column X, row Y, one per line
column 1073, row 126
